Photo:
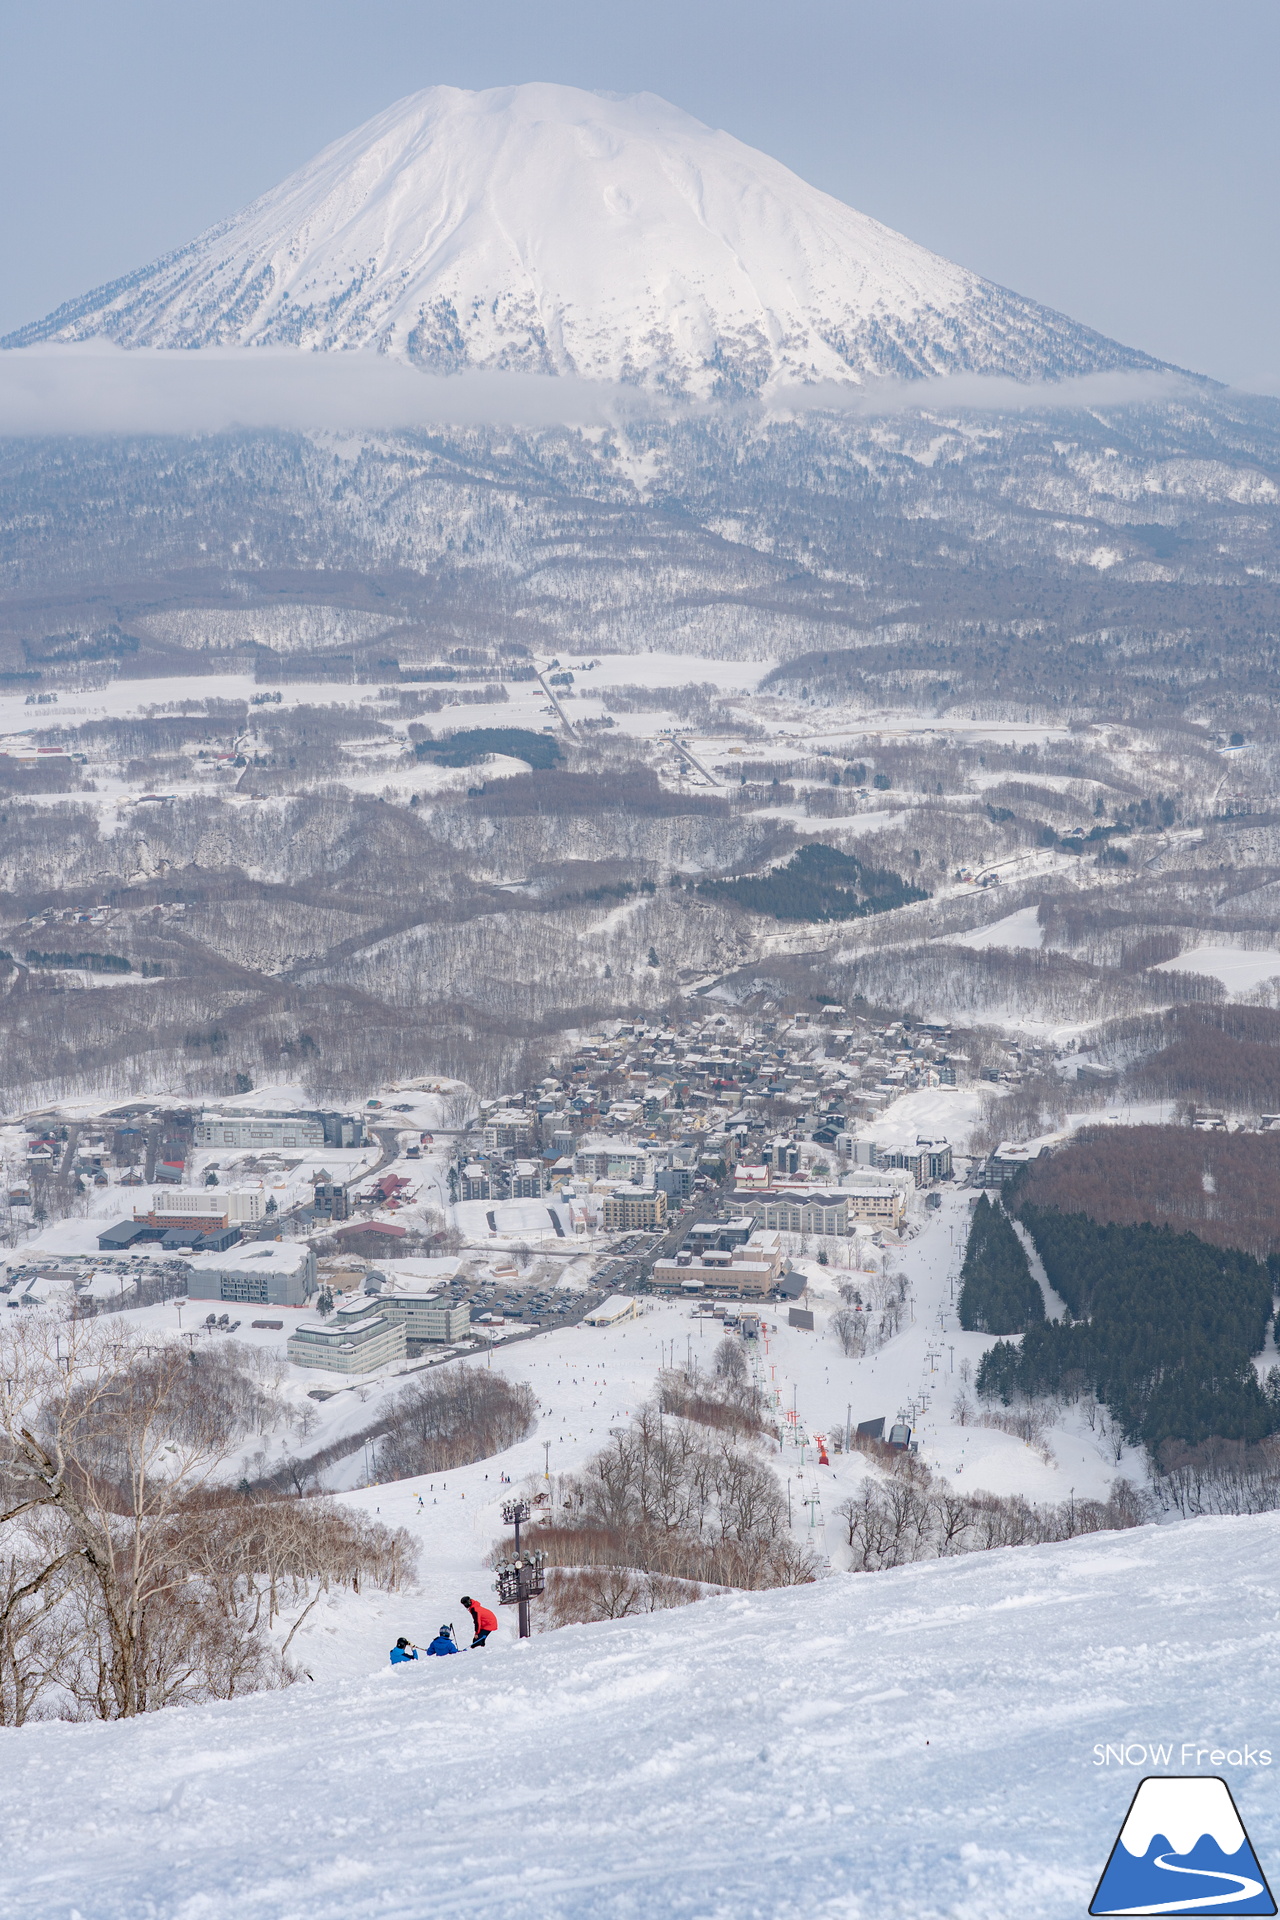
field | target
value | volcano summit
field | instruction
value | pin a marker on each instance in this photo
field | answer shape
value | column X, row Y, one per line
column 545, row 229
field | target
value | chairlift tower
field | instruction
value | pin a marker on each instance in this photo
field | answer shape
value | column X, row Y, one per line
column 522, row 1577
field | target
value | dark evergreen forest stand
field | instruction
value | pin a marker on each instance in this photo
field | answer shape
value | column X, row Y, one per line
column 998, row 1294
column 464, row 749
column 818, row 883
column 1163, row 1329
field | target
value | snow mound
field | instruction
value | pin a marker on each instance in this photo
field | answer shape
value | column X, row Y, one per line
column 548, row 230
column 871, row 1748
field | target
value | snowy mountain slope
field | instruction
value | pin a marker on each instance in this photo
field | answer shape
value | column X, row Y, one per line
column 552, row 230
column 872, row 1748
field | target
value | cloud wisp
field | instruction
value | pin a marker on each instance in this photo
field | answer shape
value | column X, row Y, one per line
column 98, row 388
column 104, row 389
column 987, row 393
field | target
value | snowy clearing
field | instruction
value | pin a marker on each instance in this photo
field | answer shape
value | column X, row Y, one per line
column 1021, row 929
column 1240, row 969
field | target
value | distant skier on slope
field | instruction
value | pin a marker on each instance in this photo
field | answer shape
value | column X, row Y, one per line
column 485, row 1622
column 443, row 1642
column 403, row 1650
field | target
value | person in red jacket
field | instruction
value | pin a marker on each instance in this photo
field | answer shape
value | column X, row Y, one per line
column 485, row 1622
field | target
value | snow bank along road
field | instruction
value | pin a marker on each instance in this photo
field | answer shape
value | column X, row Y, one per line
column 911, row 1744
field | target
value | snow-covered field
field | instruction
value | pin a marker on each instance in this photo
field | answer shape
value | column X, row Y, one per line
column 1240, row 969
column 899, row 1746
column 1020, row 929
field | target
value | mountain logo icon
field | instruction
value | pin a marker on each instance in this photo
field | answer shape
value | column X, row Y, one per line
column 1183, row 1850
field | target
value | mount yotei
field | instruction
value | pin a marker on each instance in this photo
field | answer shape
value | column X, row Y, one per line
column 552, row 230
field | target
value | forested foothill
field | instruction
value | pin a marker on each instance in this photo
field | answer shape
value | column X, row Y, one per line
column 818, row 883
column 1226, row 1057
column 473, row 744
column 331, row 850
column 998, row 1293
column 1162, row 1329
column 424, row 926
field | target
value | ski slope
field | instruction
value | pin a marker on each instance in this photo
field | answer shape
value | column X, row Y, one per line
column 900, row 1746
column 588, row 1380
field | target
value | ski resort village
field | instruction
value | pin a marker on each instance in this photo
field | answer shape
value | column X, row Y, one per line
column 699, row 1328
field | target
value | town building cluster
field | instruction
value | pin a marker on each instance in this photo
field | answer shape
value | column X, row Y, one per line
column 776, row 1115
column 696, row 1156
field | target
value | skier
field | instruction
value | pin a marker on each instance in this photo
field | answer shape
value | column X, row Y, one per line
column 403, row 1650
column 443, row 1642
column 485, row 1622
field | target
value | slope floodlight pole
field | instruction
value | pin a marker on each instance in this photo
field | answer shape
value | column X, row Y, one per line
column 522, row 1577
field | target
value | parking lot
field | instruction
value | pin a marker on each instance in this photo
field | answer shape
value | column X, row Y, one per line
column 630, row 1260
column 534, row 1302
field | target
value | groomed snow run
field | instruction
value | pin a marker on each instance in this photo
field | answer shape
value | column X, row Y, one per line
column 900, row 1746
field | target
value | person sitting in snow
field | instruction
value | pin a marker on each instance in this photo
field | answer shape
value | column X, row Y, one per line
column 443, row 1642
column 485, row 1622
column 403, row 1650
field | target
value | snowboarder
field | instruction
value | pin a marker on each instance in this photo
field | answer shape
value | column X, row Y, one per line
column 443, row 1642
column 403, row 1650
column 485, row 1622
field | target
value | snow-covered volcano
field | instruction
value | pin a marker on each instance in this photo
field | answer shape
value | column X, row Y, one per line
column 552, row 230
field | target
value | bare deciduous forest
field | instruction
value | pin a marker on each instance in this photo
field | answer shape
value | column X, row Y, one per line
column 133, row 1577
column 1223, row 1187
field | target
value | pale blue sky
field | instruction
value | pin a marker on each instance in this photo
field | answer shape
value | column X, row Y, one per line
column 1117, row 159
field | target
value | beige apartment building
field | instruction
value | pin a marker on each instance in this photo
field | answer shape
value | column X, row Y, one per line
column 808, row 1210
column 635, row 1210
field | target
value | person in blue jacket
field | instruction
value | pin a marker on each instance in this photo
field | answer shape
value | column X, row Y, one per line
column 443, row 1642
column 403, row 1650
